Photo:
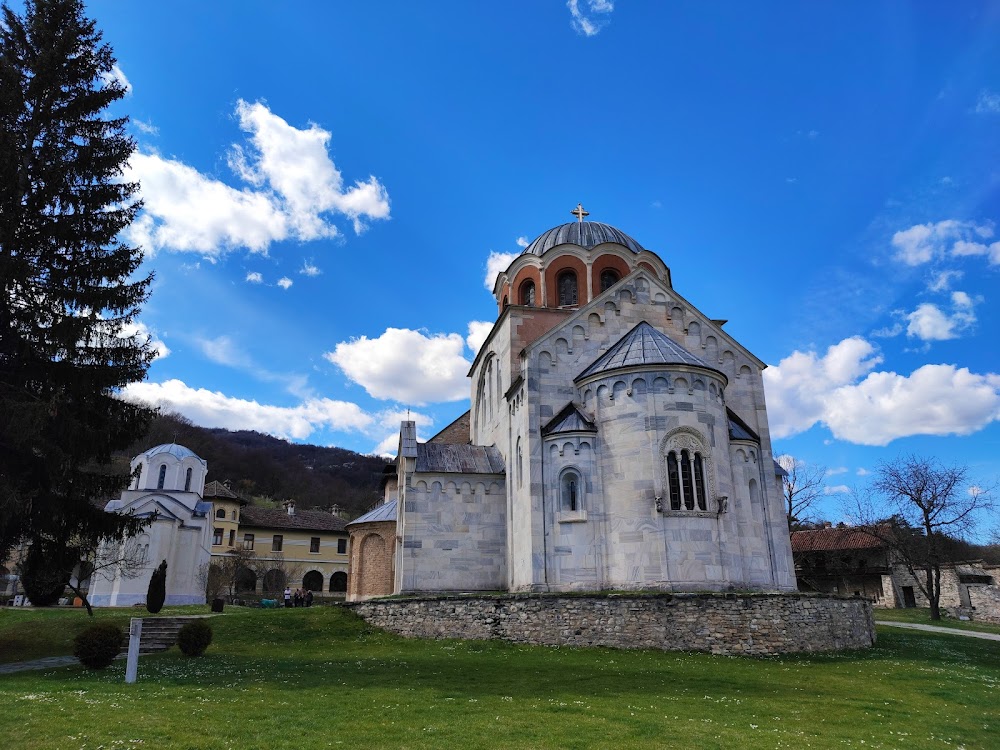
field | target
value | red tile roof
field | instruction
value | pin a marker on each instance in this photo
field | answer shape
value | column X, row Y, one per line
column 833, row 539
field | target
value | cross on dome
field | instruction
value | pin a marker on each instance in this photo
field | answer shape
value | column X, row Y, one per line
column 579, row 212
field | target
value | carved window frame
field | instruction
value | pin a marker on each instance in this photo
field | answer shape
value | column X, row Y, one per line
column 690, row 440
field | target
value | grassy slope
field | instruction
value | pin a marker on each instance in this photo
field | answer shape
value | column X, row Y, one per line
column 27, row 634
column 320, row 678
column 923, row 617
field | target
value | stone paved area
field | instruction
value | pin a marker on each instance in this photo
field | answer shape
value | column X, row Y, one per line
column 49, row 662
column 936, row 629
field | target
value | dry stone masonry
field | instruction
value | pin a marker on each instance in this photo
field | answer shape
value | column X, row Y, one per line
column 729, row 624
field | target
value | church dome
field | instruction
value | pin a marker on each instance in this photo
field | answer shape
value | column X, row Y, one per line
column 588, row 234
column 171, row 449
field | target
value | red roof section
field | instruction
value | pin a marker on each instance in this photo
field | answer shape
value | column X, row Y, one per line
column 833, row 539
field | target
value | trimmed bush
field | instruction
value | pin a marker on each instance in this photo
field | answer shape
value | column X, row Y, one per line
column 156, row 594
column 97, row 646
column 194, row 638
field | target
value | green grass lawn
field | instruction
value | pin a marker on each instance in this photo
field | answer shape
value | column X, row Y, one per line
column 321, row 678
column 922, row 615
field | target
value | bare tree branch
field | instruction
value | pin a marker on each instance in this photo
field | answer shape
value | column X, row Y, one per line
column 802, row 486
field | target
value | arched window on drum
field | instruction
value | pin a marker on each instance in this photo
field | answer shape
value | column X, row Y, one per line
column 686, row 475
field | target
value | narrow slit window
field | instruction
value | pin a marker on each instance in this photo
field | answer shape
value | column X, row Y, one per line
column 686, row 483
column 699, row 482
column 163, row 477
column 674, row 481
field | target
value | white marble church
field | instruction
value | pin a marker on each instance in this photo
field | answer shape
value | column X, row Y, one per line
column 168, row 491
column 618, row 439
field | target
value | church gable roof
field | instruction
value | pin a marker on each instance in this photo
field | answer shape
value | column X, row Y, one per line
column 570, row 419
column 441, row 458
column 738, row 429
column 643, row 346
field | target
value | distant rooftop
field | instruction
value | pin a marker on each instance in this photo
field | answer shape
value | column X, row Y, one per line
column 383, row 512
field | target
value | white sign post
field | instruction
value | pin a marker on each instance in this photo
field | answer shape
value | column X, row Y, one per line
column 132, row 664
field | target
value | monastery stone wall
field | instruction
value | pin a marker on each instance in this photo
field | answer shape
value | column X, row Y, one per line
column 730, row 624
column 986, row 603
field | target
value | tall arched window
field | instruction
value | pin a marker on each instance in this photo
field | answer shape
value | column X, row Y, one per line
column 566, row 284
column 570, row 491
column 686, row 480
column 163, row 477
column 609, row 278
column 138, row 475
column 187, row 481
column 528, row 293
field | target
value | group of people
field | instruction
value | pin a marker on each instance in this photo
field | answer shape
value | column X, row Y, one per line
column 300, row 598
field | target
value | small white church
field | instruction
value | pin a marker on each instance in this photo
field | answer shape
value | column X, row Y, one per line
column 618, row 439
column 167, row 491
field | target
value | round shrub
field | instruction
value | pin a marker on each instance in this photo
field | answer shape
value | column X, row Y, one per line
column 97, row 646
column 194, row 638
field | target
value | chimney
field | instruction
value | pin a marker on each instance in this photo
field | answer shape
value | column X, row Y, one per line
column 335, row 510
column 290, row 507
column 827, row 525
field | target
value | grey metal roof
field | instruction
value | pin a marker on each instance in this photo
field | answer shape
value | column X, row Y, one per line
column 570, row 419
column 458, row 459
column 740, row 430
column 641, row 347
column 587, row 234
column 177, row 451
column 383, row 512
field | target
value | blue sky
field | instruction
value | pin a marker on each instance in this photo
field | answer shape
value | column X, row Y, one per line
column 326, row 183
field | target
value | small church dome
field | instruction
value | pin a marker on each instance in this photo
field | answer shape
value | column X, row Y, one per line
column 588, row 234
column 172, row 449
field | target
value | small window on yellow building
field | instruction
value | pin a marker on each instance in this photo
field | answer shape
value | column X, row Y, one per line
column 217, row 536
column 248, row 541
column 232, row 537
column 314, row 544
column 341, row 546
column 276, row 543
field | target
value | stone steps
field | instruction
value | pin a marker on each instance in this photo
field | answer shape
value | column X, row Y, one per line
column 160, row 633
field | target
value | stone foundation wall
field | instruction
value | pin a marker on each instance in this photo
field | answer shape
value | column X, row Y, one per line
column 986, row 601
column 755, row 624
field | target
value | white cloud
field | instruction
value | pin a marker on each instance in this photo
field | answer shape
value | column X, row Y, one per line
column 838, row 470
column 296, row 164
column 223, row 351
column 923, row 243
column 478, row 331
column 930, row 323
column 186, row 211
column 292, row 190
column 116, row 74
column 309, row 269
column 988, row 102
column 522, row 241
column 495, row 265
column 145, row 127
column 862, row 472
column 588, row 22
column 941, row 280
column 255, row 278
column 406, row 366
column 837, row 489
column 963, row 248
column 214, row 409
column 805, row 389
column 284, row 282
column 142, row 332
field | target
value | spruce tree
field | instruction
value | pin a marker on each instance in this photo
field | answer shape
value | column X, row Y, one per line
column 156, row 594
column 70, row 285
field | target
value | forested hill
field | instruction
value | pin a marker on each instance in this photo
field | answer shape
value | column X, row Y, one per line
column 261, row 467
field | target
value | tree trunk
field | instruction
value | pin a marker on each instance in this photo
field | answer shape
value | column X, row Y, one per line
column 934, row 591
column 83, row 596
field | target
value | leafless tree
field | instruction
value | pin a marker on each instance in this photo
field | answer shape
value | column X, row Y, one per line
column 226, row 573
column 802, row 486
column 917, row 507
column 275, row 562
